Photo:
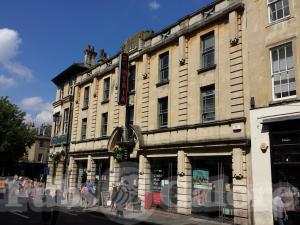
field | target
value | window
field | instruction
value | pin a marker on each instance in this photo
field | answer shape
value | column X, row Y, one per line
column 62, row 92
column 86, row 97
column 164, row 67
column 208, row 50
column 163, row 112
column 208, row 103
column 66, row 121
column 83, row 129
column 40, row 157
column 41, row 144
column 106, row 85
column 278, row 9
column 71, row 87
column 131, row 78
column 283, row 72
column 104, row 124
column 129, row 115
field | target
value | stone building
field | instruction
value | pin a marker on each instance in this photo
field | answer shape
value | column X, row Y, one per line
column 275, row 108
column 174, row 121
column 39, row 150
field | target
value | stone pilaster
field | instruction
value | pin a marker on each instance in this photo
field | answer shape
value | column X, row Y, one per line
column 72, row 175
column 144, row 178
column 91, row 169
column 184, row 184
column 240, row 189
column 114, row 172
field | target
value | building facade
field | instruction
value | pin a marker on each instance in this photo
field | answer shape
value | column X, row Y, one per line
column 275, row 108
column 170, row 113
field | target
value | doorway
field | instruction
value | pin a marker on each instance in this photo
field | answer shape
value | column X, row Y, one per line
column 81, row 173
column 164, row 183
column 285, row 161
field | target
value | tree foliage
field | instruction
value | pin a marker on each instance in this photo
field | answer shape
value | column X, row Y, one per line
column 15, row 135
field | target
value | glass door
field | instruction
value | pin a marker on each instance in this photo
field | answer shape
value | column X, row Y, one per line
column 164, row 183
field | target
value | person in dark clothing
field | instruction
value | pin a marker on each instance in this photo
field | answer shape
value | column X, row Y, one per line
column 113, row 196
column 121, row 199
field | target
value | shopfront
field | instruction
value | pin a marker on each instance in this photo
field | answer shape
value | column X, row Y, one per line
column 164, row 183
column 212, row 193
column 285, row 161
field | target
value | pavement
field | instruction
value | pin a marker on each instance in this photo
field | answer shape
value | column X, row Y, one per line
column 153, row 216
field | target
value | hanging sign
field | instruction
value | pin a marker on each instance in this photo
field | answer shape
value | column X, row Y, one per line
column 123, row 75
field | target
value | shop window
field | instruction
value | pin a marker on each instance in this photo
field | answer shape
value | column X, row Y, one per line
column 86, row 97
column 106, row 85
column 40, row 157
column 104, row 123
column 278, row 9
column 83, row 129
column 164, row 67
column 163, row 112
column 283, row 72
column 131, row 78
column 208, row 103
column 208, row 50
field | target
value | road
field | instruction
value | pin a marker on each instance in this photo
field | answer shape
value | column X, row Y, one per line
column 74, row 216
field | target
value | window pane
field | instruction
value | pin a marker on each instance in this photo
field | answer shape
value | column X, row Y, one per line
column 273, row 12
column 292, row 85
column 275, row 65
column 284, row 78
column 289, row 57
column 286, row 7
column 282, row 65
column 279, row 7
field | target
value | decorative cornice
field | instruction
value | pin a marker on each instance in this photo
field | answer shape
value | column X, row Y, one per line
column 91, row 139
column 194, row 126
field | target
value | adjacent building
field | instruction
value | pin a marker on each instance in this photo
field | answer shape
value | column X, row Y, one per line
column 171, row 114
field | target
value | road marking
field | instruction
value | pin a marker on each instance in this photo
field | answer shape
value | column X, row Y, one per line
column 19, row 213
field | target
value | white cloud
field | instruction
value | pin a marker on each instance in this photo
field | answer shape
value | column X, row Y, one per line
column 154, row 5
column 38, row 111
column 18, row 69
column 6, row 81
column 9, row 44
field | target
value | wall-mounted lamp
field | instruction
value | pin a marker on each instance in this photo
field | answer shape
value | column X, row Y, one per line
column 264, row 147
column 141, row 173
column 181, row 174
column 238, row 177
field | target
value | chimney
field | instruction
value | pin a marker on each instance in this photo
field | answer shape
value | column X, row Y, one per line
column 102, row 55
column 90, row 56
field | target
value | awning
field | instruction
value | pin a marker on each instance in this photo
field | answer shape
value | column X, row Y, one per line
column 281, row 119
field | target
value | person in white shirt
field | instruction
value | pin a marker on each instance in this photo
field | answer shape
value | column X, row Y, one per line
column 279, row 211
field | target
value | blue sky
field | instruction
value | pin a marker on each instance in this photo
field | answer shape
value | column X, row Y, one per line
column 39, row 39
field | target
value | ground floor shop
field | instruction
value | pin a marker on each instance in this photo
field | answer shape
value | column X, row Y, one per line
column 276, row 152
column 206, row 182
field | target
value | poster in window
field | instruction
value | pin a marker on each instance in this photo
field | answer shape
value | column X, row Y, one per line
column 200, row 179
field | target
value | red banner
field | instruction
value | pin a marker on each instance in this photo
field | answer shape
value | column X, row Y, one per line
column 123, row 76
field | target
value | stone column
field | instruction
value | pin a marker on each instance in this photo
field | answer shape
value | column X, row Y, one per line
column 114, row 172
column 184, row 184
column 72, row 175
column 91, row 169
column 240, row 189
column 144, row 178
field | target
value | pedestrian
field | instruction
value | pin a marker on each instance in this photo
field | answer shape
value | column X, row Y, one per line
column 113, row 196
column 84, row 192
column 279, row 210
column 90, row 193
column 121, row 199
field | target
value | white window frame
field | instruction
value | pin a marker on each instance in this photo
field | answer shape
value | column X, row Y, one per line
column 269, row 2
column 272, row 75
column 106, row 89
